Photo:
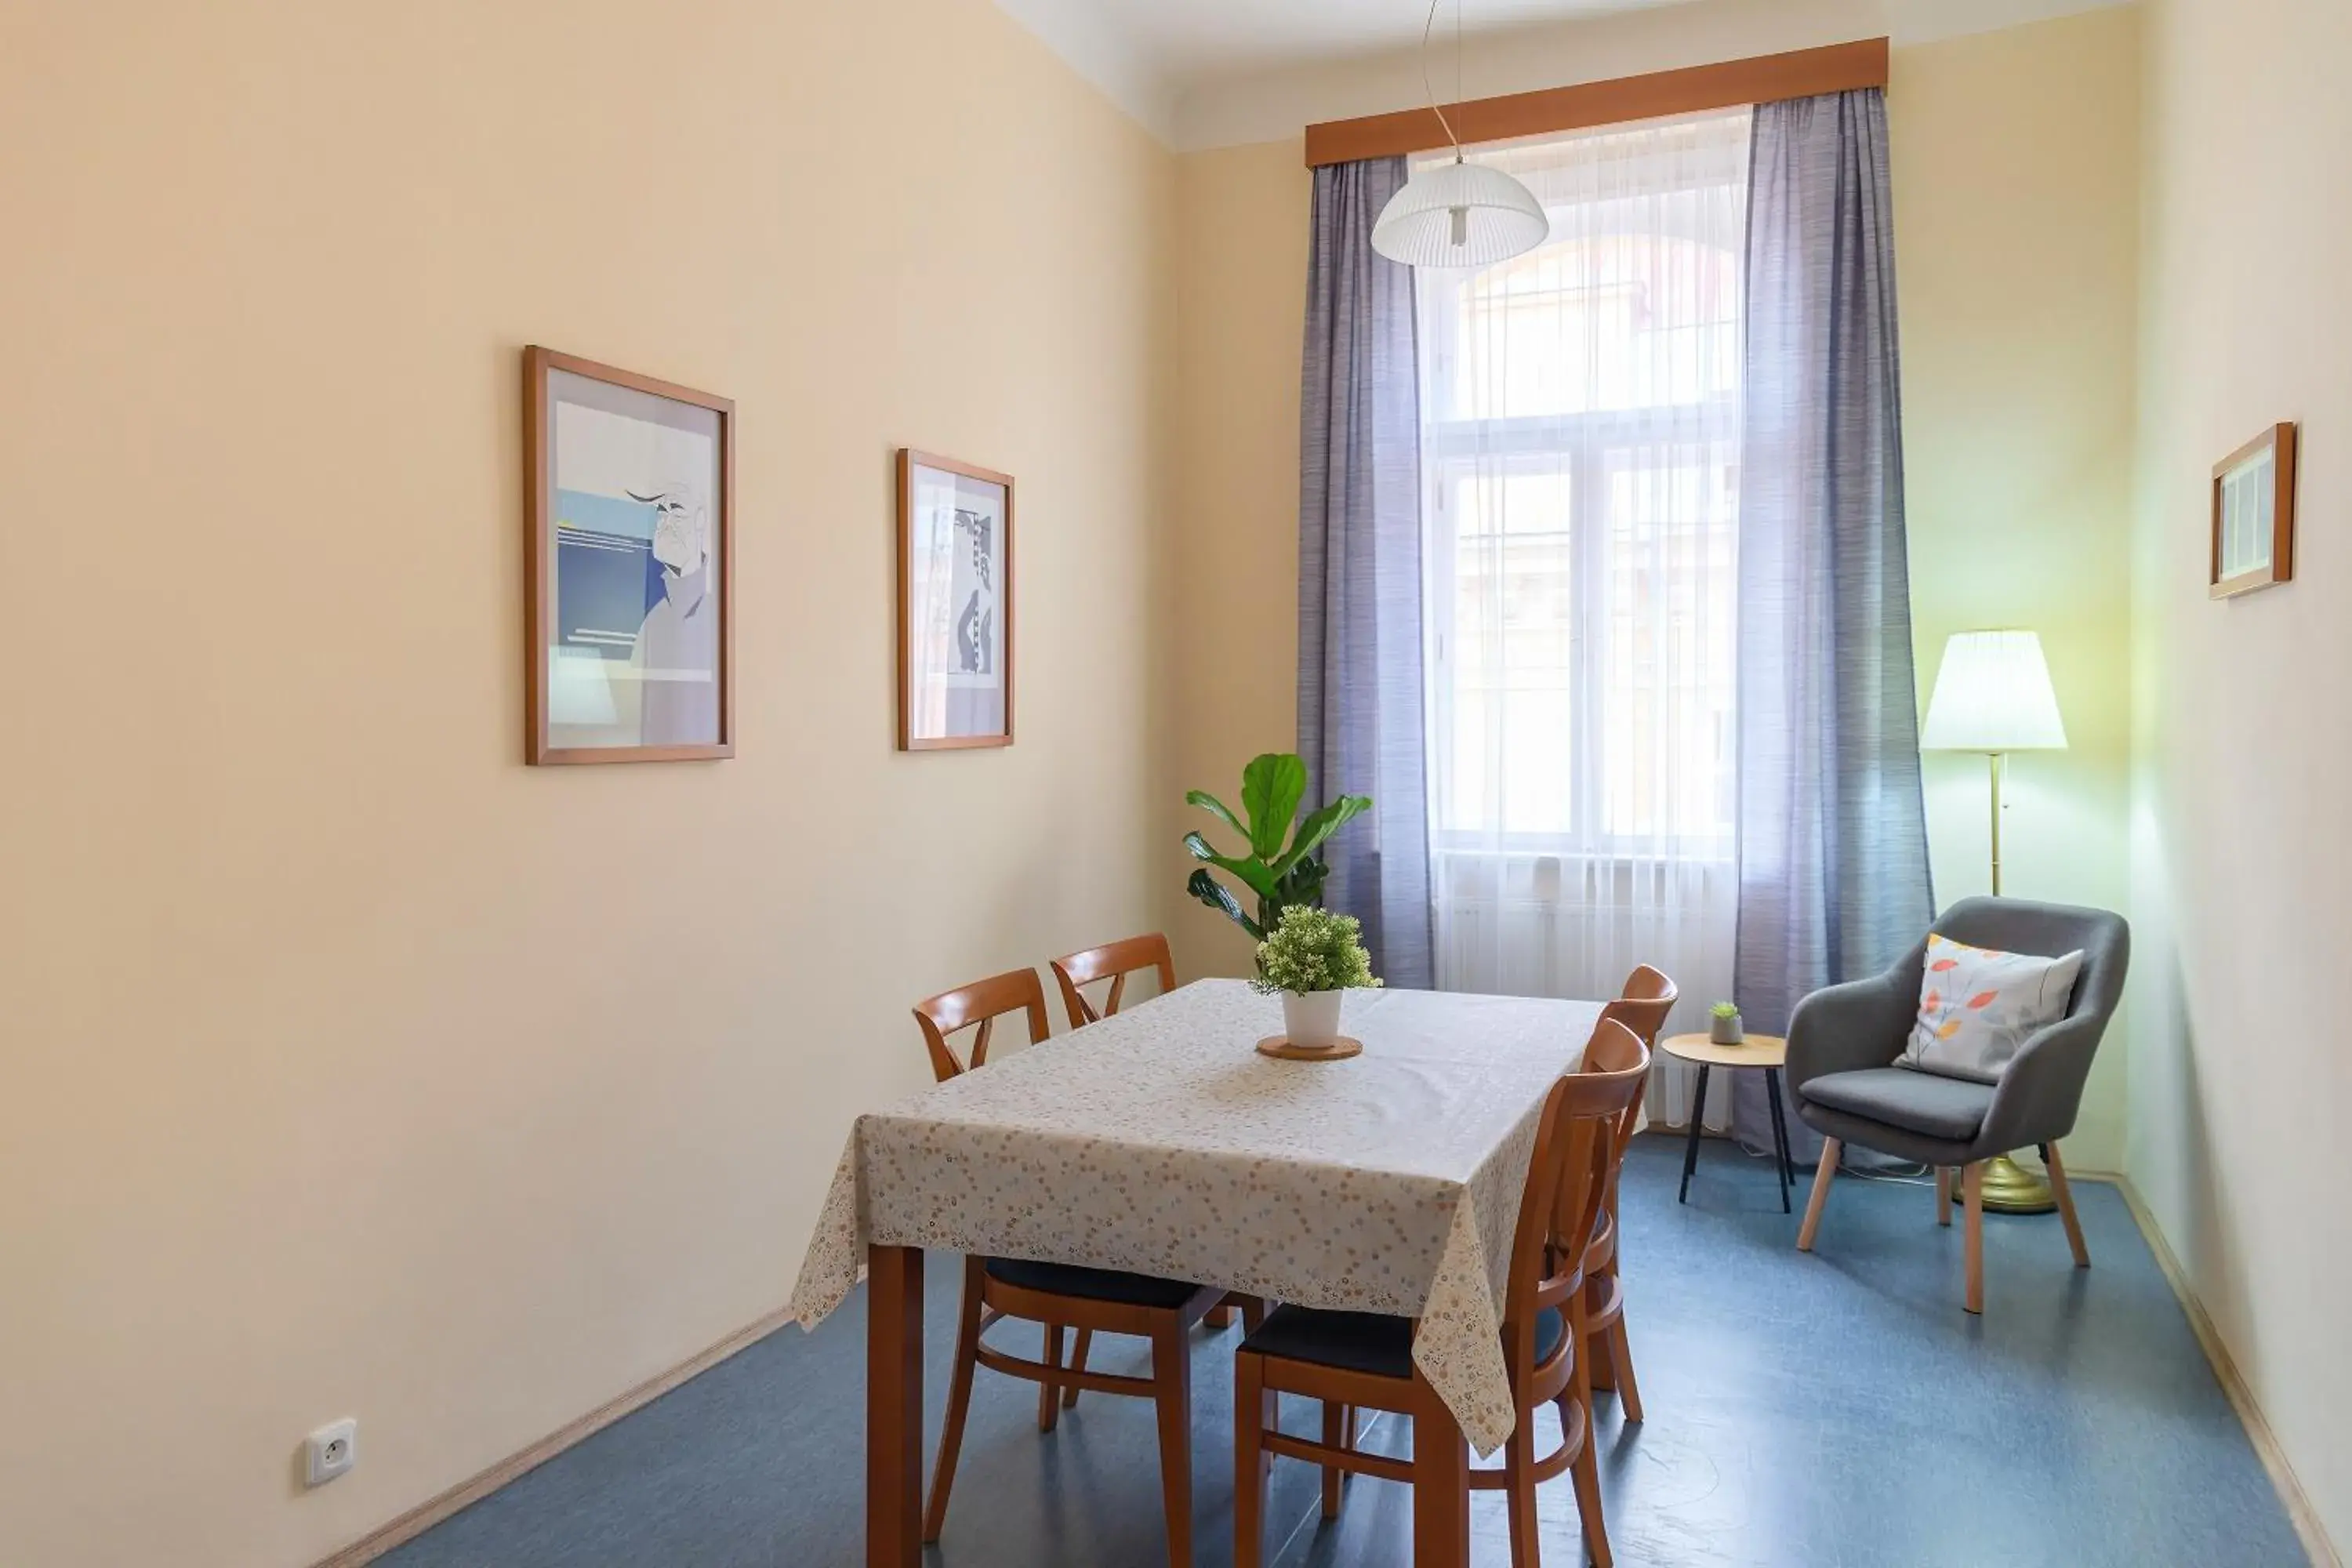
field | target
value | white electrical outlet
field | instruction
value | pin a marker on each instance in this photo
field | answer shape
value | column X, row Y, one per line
column 330, row 1451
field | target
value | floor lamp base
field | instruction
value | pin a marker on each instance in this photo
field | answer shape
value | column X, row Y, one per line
column 2010, row 1188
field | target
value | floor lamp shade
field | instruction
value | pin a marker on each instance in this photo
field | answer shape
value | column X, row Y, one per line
column 1993, row 694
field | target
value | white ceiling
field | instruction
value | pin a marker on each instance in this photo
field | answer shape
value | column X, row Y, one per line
column 1147, row 54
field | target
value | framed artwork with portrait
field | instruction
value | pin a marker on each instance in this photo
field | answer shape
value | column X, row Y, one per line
column 955, row 604
column 629, row 617
column 2254, row 515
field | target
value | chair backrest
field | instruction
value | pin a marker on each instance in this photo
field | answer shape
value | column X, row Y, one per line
column 1114, row 961
column 1567, row 1180
column 1649, row 996
column 982, row 1003
column 2049, row 930
column 2045, row 1088
column 1619, row 1049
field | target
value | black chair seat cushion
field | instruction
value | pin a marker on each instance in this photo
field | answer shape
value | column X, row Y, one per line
column 1091, row 1284
column 1365, row 1341
column 1923, row 1103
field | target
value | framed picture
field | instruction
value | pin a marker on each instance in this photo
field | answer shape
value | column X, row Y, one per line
column 2254, row 515
column 630, row 619
column 955, row 604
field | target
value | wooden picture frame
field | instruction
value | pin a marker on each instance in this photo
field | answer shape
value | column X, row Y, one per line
column 2254, row 515
column 955, row 621
column 621, row 665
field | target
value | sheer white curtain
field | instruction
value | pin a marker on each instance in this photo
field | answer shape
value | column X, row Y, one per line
column 1581, row 456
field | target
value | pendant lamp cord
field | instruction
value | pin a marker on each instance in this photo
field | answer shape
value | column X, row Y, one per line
column 1427, row 28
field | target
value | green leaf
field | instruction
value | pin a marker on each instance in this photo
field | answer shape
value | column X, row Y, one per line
column 1211, row 804
column 1272, row 787
column 1320, row 826
column 1213, row 893
column 1253, row 872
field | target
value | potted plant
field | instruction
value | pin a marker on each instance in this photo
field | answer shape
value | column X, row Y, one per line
column 1724, row 1028
column 1312, row 959
column 1280, row 868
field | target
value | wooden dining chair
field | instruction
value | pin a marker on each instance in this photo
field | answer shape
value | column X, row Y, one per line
column 1114, row 961
column 1060, row 1296
column 1361, row 1358
column 1650, row 995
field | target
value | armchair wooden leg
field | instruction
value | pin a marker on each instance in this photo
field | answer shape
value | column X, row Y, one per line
column 2065, row 1196
column 1220, row 1317
column 1972, row 1203
column 1943, row 1196
column 1831, row 1149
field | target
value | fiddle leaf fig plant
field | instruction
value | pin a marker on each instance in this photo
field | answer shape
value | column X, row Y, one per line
column 1276, row 868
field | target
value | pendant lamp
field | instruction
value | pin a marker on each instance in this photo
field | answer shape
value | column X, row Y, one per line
column 1459, row 214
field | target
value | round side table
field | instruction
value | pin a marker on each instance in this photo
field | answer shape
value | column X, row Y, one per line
column 1764, row 1052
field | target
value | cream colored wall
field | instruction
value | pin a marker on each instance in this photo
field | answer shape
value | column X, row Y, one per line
column 352, row 1067
column 1242, row 229
column 2016, row 177
column 2241, row 1085
column 2017, row 232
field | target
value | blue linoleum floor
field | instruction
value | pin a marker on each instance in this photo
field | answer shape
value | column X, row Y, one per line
column 1831, row 1411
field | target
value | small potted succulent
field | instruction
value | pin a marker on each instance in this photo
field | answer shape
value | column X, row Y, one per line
column 1723, row 1027
column 1312, row 959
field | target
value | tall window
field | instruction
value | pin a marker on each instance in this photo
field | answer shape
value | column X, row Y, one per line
column 1580, row 449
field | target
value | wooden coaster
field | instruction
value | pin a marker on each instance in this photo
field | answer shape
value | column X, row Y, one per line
column 1277, row 1045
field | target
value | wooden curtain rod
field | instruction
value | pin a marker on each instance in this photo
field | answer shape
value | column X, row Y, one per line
column 1765, row 79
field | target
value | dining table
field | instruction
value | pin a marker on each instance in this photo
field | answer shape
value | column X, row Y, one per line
column 1160, row 1141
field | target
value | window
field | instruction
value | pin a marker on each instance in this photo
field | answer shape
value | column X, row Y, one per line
column 1580, row 410
column 1580, row 447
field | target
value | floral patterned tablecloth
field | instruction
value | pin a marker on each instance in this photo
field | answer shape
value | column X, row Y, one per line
column 1160, row 1140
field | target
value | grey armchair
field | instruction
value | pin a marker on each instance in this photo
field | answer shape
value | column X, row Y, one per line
column 1844, row 1041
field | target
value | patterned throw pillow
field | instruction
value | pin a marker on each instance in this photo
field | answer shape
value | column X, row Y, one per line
column 1978, row 1006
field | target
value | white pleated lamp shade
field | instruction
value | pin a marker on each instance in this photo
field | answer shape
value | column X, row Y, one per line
column 1460, row 215
column 1993, row 694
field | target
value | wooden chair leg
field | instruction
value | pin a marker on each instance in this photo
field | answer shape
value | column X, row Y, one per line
column 1337, row 1419
column 1621, row 1350
column 1831, row 1149
column 1943, row 1196
column 1519, row 1490
column 1220, row 1317
column 1172, row 1370
column 1253, row 1314
column 1077, row 1363
column 2065, row 1196
column 1972, row 1205
column 967, row 1357
column 1584, row 1467
column 1253, row 1412
column 1049, row 1392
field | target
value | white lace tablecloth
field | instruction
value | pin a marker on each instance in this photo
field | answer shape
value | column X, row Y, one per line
column 1159, row 1141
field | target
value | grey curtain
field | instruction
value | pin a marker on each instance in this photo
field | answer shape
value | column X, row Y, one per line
column 1359, row 668
column 1833, row 881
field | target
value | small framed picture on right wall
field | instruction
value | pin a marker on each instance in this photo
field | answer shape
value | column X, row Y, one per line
column 2253, row 514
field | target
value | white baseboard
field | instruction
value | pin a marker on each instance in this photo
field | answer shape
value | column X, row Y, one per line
column 2307, row 1526
column 425, row 1515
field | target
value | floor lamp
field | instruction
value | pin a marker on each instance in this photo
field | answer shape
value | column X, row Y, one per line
column 1993, row 695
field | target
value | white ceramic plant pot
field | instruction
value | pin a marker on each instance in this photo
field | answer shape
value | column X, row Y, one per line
column 1310, row 1020
column 1725, row 1031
